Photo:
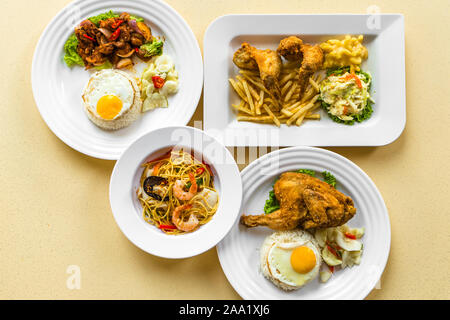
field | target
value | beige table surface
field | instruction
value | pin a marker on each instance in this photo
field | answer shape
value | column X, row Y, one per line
column 54, row 201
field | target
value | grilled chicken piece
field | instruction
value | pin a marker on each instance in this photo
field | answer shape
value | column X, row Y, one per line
column 290, row 48
column 305, row 202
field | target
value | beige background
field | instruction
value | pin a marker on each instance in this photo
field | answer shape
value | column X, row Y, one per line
column 54, row 201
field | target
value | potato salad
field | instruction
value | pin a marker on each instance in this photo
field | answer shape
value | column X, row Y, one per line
column 159, row 80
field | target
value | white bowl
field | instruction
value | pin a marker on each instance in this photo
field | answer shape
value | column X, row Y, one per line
column 127, row 210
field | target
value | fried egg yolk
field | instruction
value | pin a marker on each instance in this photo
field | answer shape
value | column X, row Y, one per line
column 109, row 106
column 303, row 259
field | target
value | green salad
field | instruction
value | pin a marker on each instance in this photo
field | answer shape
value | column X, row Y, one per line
column 272, row 204
column 346, row 96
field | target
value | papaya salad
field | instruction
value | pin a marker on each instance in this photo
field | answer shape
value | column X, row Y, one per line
column 177, row 192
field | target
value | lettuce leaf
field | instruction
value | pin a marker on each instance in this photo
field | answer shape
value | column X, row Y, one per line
column 329, row 178
column 271, row 204
column 312, row 173
column 103, row 16
column 153, row 48
column 71, row 56
column 106, row 65
column 138, row 19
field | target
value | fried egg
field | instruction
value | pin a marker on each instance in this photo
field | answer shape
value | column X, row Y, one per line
column 290, row 259
column 109, row 95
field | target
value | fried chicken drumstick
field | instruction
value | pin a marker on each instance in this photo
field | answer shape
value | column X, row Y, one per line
column 305, row 202
column 312, row 62
column 311, row 57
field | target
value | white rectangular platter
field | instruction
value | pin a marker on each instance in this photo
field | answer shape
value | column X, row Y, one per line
column 384, row 39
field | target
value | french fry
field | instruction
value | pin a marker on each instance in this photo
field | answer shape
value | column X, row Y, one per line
column 287, row 112
column 260, row 102
column 309, row 106
column 259, row 105
column 286, row 87
column 290, row 92
column 292, row 106
column 249, row 96
column 314, row 84
column 249, row 72
column 302, row 111
column 314, row 116
column 255, row 94
column 255, row 118
column 256, row 83
column 241, row 107
column 238, row 90
column 250, row 87
column 287, row 77
column 274, row 118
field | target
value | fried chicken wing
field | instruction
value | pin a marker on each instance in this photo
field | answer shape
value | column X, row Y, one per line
column 268, row 62
column 290, row 48
column 243, row 58
column 312, row 61
column 305, row 202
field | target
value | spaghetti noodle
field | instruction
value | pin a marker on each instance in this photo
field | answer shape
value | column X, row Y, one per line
column 177, row 192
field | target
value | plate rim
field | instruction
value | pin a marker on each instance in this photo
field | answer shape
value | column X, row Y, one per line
column 52, row 125
column 399, row 129
column 378, row 194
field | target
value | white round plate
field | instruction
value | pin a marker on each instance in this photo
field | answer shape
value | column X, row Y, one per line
column 125, row 181
column 239, row 251
column 57, row 88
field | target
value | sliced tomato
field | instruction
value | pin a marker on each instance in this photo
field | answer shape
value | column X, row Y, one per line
column 158, row 82
column 350, row 236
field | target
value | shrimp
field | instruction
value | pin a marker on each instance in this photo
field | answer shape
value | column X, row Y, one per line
column 186, row 226
column 178, row 189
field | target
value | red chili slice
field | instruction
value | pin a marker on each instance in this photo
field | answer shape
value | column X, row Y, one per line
column 115, row 35
column 88, row 37
column 117, row 24
column 167, row 227
column 200, row 171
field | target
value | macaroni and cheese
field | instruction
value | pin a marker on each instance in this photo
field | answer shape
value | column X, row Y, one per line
column 342, row 53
